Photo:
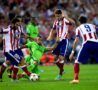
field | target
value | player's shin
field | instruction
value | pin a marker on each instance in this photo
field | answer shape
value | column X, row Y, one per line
column 61, row 67
column 3, row 68
column 76, row 71
column 60, row 64
column 10, row 70
column 24, row 68
column 15, row 71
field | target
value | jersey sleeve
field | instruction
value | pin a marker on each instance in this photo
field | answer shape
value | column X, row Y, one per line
column 67, row 22
column 54, row 25
column 3, row 31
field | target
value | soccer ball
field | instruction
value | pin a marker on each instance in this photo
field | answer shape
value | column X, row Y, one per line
column 34, row 77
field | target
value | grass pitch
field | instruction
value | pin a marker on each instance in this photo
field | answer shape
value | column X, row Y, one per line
column 88, row 80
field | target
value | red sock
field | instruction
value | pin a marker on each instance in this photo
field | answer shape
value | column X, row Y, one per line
column 76, row 71
column 20, row 76
column 3, row 68
column 24, row 68
column 15, row 71
column 10, row 69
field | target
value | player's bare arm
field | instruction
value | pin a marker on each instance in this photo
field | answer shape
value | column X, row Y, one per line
column 74, row 48
column 51, row 34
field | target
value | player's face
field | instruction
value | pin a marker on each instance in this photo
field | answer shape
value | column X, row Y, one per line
column 39, row 40
column 33, row 20
column 58, row 16
column 20, row 21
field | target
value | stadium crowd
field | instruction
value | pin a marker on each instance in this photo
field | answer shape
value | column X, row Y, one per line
column 43, row 11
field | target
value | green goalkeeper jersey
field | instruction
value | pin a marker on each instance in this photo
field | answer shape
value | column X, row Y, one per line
column 32, row 30
column 36, row 50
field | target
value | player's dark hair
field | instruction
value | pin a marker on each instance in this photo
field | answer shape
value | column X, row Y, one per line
column 58, row 11
column 82, row 19
column 11, row 16
column 15, row 20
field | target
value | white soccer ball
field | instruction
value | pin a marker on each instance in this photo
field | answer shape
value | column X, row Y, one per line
column 34, row 77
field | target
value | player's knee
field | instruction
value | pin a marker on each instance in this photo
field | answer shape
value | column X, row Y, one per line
column 7, row 62
column 61, row 57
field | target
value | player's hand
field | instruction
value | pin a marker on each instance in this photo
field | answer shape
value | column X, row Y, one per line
column 57, row 39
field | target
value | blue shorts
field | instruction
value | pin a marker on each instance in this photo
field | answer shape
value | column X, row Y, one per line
column 61, row 48
column 89, row 49
column 14, row 57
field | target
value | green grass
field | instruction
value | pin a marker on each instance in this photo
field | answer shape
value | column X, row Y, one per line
column 88, row 80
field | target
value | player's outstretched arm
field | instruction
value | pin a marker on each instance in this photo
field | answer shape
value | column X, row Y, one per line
column 53, row 47
column 51, row 34
column 29, row 37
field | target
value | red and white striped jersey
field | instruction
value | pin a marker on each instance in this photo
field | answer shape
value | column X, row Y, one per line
column 11, row 38
column 61, row 27
column 87, row 32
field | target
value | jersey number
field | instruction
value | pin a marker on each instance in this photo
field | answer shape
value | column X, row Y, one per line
column 88, row 29
column 17, row 56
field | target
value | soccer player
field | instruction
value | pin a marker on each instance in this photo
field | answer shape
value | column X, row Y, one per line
column 89, row 46
column 32, row 28
column 13, row 56
column 36, row 52
column 32, row 32
column 60, row 29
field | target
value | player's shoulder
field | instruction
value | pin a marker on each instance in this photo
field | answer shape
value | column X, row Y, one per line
column 89, row 24
column 7, row 28
column 66, row 20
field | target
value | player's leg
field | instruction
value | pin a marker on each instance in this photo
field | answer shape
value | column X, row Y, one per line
column 4, row 65
column 15, row 71
column 76, row 72
column 61, row 58
column 18, row 60
column 3, row 68
column 82, row 57
column 33, row 67
column 36, row 56
column 32, row 64
column 10, row 70
column 56, row 52
column 24, row 67
column 60, row 64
